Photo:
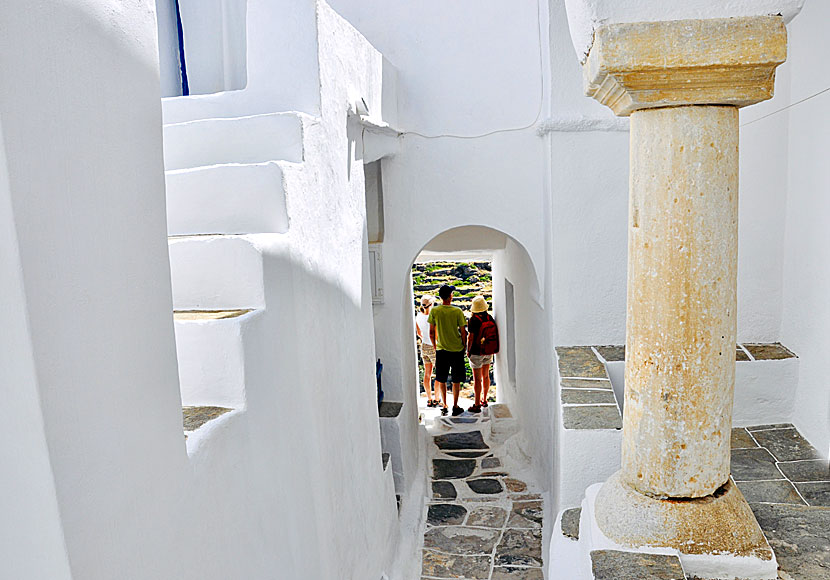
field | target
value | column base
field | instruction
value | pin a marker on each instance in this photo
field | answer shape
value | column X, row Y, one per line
column 716, row 537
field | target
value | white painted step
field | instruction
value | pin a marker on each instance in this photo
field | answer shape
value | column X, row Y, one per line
column 254, row 139
column 226, row 199
column 211, row 353
column 216, row 273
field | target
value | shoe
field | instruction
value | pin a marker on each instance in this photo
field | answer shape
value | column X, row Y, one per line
column 456, row 410
column 443, row 410
column 484, row 404
column 430, row 403
column 475, row 409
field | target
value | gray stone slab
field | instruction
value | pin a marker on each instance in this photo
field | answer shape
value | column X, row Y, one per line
column 585, row 384
column 799, row 537
column 490, row 463
column 527, row 514
column 516, row 573
column 812, row 470
column 452, row 468
column 435, row 564
column 615, row 565
column 487, row 517
column 463, row 420
column 786, row 444
column 612, row 352
column 485, row 486
column 461, row 540
column 195, row 417
column 753, row 428
column 444, row 490
column 587, row 397
column 592, row 417
column 781, row 491
column 520, row 548
column 466, row 454
column 754, row 464
column 768, row 351
column 446, row 514
column 457, row 441
column 741, row 439
column 817, row 493
column 580, row 362
column 570, row 522
column 389, row 409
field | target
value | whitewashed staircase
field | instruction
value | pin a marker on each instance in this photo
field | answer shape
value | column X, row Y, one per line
column 225, row 189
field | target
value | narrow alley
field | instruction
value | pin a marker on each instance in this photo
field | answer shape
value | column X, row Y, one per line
column 484, row 518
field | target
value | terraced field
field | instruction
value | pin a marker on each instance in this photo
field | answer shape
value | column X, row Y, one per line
column 469, row 279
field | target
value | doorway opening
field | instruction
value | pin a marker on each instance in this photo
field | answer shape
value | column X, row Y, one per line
column 470, row 279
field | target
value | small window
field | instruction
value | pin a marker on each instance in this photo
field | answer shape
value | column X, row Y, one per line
column 510, row 332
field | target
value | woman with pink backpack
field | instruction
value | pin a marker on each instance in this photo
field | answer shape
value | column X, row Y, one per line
column 482, row 344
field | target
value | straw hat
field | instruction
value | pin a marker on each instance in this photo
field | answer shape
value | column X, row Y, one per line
column 479, row 304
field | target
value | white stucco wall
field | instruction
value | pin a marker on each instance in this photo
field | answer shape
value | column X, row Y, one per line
column 531, row 397
column 31, row 538
column 807, row 241
column 281, row 44
column 87, row 199
column 104, row 484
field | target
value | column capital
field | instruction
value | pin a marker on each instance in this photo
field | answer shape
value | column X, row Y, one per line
column 721, row 61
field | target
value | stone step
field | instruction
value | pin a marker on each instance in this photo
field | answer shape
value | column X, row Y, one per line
column 211, row 354
column 233, row 198
column 216, row 272
column 195, row 417
column 254, row 139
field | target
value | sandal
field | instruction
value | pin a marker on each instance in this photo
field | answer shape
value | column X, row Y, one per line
column 430, row 403
column 444, row 410
column 484, row 404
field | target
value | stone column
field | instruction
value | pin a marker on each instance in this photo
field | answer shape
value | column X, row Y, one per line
column 682, row 83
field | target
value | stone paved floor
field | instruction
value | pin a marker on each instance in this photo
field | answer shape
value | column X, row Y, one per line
column 482, row 524
column 787, row 486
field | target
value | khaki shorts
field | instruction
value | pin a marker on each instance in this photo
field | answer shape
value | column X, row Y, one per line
column 479, row 360
column 428, row 353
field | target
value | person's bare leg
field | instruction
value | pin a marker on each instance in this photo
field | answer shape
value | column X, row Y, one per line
column 428, row 382
column 456, row 390
column 485, row 382
column 477, row 386
column 441, row 388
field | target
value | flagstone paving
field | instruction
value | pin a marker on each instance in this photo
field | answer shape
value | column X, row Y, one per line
column 482, row 524
column 787, row 486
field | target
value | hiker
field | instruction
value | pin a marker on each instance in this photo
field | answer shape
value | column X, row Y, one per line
column 448, row 332
column 427, row 347
column 483, row 344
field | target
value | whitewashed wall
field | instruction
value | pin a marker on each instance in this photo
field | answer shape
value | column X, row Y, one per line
column 807, row 239
column 101, row 481
column 82, row 132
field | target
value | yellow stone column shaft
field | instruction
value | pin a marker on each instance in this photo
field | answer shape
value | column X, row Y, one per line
column 680, row 336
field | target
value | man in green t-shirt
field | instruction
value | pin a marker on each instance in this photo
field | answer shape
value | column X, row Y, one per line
column 448, row 332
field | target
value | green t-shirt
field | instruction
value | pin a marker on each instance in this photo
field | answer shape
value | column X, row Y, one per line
column 447, row 320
